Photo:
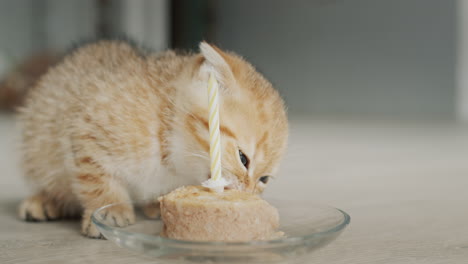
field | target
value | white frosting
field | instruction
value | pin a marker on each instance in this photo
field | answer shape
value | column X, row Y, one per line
column 217, row 186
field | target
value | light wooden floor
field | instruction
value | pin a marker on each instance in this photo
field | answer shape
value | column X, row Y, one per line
column 403, row 183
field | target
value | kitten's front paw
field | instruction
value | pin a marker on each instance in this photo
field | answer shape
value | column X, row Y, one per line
column 152, row 210
column 88, row 228
column 38, row 208
column 118, row 215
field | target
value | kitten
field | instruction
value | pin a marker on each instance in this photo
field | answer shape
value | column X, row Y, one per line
column 110, row 124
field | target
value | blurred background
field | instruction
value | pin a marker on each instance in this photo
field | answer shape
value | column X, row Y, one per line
column 327, row 57
column 367, row 83
column 377, row 92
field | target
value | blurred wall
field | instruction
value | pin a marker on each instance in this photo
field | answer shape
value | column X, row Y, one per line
column 17, row 19
column 462, row 60
column 144, row 21
column 28, row 26
column 359, row 57
column 66, row 22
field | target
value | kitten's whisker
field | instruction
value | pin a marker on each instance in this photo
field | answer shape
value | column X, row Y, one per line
column 205, row 157
column 198, row 156
column 176, row 107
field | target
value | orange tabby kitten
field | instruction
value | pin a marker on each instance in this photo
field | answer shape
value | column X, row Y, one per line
column 110, row 124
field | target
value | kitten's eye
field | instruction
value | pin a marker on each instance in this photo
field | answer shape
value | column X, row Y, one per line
column 244, row 159
column 264, row 179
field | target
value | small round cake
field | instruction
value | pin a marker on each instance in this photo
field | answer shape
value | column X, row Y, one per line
column 197, row 214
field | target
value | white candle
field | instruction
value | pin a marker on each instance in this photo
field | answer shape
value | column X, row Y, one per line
column 216, row 182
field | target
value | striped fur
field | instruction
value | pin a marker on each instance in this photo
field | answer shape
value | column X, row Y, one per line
column 111, row 124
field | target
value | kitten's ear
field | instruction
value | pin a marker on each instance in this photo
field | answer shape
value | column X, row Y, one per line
column 217, row 61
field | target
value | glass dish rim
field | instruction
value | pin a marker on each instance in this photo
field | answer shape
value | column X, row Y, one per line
column 168, row 241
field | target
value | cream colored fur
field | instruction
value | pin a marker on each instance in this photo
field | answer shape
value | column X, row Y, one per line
column 111, row 124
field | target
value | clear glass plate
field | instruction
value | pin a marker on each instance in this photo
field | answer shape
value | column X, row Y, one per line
column 307, row 227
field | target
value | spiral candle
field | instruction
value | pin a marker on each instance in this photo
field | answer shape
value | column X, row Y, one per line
column 216, row 182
